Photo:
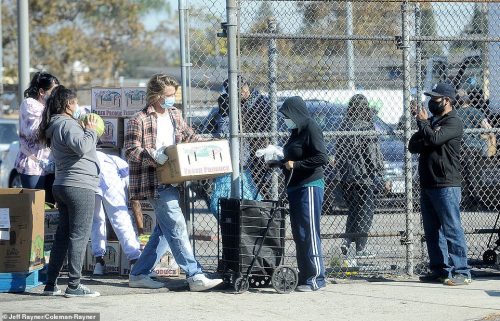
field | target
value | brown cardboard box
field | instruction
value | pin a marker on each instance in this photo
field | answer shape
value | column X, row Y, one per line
column 107, row 101
column 195, row 161
column 24, row 251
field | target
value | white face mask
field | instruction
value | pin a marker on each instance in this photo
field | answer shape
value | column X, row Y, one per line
column 290, row 124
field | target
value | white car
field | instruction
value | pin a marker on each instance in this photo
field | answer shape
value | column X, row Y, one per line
column 8, row 133
column 9, row 177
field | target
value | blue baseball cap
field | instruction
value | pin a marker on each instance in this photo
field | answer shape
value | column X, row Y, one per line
column 442, row 90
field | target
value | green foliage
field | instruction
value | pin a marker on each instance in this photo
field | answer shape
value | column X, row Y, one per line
column 330, row 18
column 477, row 26
column 97, row 33
column 429, row 28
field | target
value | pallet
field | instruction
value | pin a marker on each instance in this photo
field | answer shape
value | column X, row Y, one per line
column 19, row 281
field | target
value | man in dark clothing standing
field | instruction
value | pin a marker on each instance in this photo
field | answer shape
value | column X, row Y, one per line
column 305, row 157
column 438, row 142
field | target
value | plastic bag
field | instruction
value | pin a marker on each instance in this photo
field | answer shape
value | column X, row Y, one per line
column 270, row 153
column 222, row 188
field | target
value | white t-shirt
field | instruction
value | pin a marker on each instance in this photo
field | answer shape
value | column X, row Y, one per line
column 164, row 130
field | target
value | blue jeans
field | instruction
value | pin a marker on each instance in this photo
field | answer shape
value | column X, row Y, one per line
column 170, row 231
column 444, row 234
column 39, row 182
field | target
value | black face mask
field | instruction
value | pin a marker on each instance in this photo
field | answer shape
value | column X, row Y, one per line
column 436, row 108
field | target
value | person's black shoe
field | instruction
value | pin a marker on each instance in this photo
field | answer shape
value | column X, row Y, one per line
column 432, row 278
column 52, row 290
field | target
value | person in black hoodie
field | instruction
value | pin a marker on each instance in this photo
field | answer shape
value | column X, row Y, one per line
column 304, row 159
column 360, row 169
column 438, row 142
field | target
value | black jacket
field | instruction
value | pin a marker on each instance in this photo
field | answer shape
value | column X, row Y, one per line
column 306, row 146
column 438, row 142
column 359, row 158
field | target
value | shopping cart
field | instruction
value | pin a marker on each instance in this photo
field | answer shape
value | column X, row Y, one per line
column 492, row 255
column 253, row 243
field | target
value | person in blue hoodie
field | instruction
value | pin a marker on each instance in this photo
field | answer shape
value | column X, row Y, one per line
column 304, row 159
column 73, row 146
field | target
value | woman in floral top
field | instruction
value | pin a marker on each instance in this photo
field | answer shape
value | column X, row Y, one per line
column 33, row 161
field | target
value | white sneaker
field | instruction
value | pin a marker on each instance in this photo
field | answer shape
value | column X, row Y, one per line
column 200, row 282
column 99, row 269
column 143, row 281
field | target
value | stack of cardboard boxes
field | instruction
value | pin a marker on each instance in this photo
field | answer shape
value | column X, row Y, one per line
column 21, row 238
column 115, row 106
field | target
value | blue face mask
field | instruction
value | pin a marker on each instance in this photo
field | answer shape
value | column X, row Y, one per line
column 77, row 113
column 290, row 123
column 168, row 102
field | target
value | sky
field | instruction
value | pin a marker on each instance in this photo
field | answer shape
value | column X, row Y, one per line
column 450, row 17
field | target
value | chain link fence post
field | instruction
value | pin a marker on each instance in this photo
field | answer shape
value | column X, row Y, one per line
column 273, row 96
column 418, row 90
column 232, row 26
column 408, row 239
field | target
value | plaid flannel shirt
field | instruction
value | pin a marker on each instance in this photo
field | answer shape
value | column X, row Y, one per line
column 140, row 146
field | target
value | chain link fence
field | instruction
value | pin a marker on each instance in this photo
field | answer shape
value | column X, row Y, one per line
column 362, row 68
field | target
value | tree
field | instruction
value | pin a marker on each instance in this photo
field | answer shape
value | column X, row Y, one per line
column 260, row 25
column 477, row 26
column 97, row 33
column 330, row 18
column 429, row 28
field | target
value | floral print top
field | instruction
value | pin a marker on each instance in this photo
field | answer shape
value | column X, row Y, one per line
column 31, row 152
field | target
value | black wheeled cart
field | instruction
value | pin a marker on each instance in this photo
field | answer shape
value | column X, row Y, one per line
column 253, row 243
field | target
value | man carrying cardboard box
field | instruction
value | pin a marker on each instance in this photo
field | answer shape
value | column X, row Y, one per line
column 149, row 133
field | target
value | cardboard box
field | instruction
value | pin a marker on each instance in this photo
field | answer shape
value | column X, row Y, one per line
column 145, row 205
column 111, row 258
column 133, row 100
column 113, row 133
column 195, row 161
column 51, row 221
column 107, row 101
column 125, row 126
column 125, row 264
column 47, row 249
column 24, row 250
column 148, row 221
column 166, row 267
column 4, row 224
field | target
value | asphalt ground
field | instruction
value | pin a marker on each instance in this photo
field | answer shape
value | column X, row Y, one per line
column 399, row 298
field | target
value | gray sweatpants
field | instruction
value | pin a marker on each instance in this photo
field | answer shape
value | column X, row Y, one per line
column 76, row 209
